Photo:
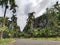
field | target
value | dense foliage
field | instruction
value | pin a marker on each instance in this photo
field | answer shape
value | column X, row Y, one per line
column 11, row 29
column 47, row 25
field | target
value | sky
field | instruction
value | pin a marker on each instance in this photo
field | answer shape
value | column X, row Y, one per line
column 28, row 6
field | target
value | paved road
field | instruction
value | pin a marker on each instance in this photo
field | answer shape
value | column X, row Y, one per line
column 35, row 42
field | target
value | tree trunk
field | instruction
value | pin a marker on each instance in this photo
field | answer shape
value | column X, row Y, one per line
column 1, row 34
column 4, row 18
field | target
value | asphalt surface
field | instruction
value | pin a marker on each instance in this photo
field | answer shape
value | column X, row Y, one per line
column 35, row 42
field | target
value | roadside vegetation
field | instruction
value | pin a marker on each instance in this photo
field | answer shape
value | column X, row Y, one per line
column 6, row 41
column 47, row 39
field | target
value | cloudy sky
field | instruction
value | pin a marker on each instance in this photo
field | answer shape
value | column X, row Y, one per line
column 27, row 6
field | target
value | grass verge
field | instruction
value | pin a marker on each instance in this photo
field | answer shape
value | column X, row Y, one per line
column 6, row 41
column 51, row 39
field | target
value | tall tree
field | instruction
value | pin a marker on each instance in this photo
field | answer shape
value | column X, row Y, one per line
column 14, row 26
column 30, row 24
column 31, row 19
column 4, row 3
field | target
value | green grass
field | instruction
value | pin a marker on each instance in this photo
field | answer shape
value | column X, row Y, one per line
column 51, row 39
column 6, row 41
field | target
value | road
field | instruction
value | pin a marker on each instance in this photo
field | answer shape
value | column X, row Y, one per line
column 35, row 42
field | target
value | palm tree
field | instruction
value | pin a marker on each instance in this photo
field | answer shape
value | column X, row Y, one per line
column 31, row 19
column 14, row 26
column 57, row 6
column 14, row 21
column 4, row 3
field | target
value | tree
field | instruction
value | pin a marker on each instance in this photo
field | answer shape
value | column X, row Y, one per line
column 31, row 19
column 56, row 6
column 4, row 3
column 15, row 28
column 30, row 24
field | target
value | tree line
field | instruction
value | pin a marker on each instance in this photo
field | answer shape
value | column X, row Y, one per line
column 47, row 25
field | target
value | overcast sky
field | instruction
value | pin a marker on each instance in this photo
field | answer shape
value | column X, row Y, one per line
column 27, row 6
